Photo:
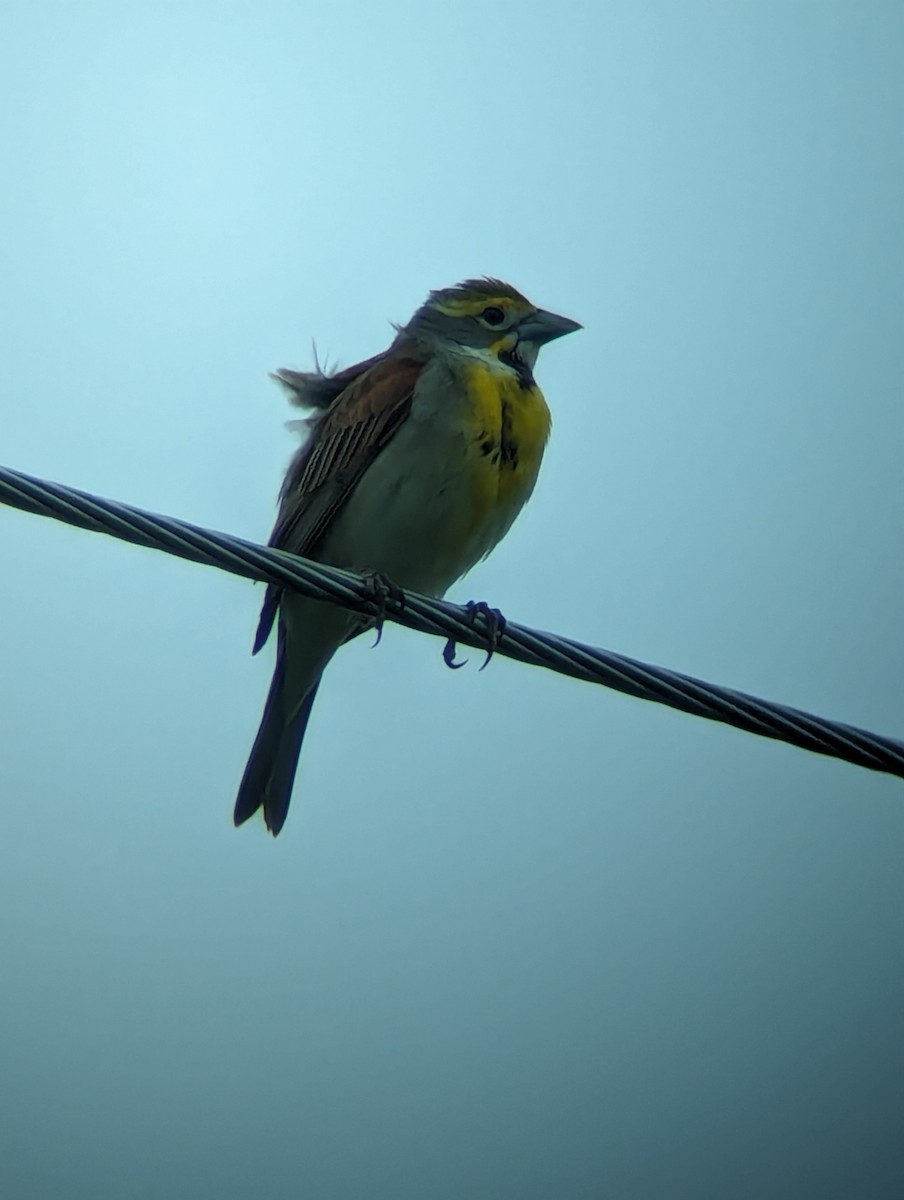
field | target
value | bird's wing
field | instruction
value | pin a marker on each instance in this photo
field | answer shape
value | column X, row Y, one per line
column 343, row 444
column 317, row 389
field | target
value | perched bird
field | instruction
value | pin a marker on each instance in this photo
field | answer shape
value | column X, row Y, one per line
column 416, row 463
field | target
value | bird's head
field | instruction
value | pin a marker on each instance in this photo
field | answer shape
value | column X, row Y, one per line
column 488, row 316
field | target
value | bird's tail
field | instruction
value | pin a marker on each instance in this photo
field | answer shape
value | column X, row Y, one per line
column 270, row 773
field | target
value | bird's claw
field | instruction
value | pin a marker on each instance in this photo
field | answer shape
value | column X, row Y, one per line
column 449, row 655
column 380, row 590
column 495, row 627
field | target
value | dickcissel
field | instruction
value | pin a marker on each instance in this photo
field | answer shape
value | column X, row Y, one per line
column 415, row 464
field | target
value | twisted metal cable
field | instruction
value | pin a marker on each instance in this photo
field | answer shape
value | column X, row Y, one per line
column 451, row 621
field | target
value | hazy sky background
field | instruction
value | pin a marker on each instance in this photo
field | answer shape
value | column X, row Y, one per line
column 521, row 937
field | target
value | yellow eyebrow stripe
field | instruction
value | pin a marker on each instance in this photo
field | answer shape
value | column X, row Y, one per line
column 469, row 306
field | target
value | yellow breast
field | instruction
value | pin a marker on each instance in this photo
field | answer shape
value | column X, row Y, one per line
column 509, row 428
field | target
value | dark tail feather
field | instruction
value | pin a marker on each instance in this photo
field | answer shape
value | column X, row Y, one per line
column 270, row 773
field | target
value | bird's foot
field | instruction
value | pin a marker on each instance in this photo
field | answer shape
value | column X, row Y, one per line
column 494, row 627
column 380, row 590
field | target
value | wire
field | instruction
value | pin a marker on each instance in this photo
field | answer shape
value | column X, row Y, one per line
column 451, row 621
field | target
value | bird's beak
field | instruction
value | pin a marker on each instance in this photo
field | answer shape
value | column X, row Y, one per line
column 542, row 327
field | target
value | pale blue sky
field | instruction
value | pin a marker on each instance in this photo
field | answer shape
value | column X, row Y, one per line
column 521, row 936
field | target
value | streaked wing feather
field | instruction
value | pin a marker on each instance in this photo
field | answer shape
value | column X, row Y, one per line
column 343, row 444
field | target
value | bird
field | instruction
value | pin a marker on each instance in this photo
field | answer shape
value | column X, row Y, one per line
column 413, row 466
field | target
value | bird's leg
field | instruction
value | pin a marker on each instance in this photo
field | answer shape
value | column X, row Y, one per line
column 495, row 627
column 380, row 590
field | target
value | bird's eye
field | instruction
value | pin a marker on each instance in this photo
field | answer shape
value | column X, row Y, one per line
column 493, row 315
